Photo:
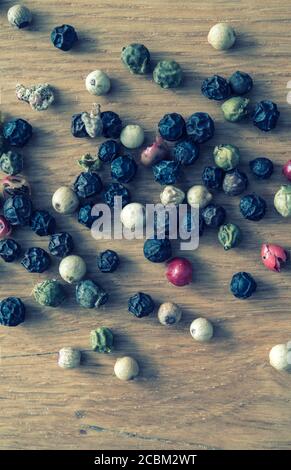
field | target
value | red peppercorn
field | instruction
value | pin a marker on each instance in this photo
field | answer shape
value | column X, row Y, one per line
column 273, row 256
column 179, row 272
column 156, row 152
column 5, row 227
column 287, row 170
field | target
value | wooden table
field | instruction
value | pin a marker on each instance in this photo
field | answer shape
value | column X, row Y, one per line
column 222, row 395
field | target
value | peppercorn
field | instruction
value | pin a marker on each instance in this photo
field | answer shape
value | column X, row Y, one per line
column 168, row 74
column 213, row 215
column 72, row 268
column 198, row 195
column 272, row 256
column 221, row 36
column 40, row 96
column 235, row 109
column 126, row 368
column 235, row 182
column 50, row 293
column 229, row 235
column 69, row 358
column 157, row 250
column 136, row 58
column 179, row 272
column 200, row 127
column 156, row 152
column 140, row 305
column 85, row 216
column 172, row 126
column 116, row 190
column 166, row 172
column 90, row 295
column 12, row 311
column 240, row 83
column 19, row 16
column 282, row 200
column 89, row 163
column 11, row 163
column 261, row 167
column 186, row 152
column 123, row 169
column 215, row 88
column 162, row 223
column 108, row 151
column 93, row 122
column 112, row 124
column 253, row 207
column 42, row 223
column 226, row 156
column 286, row 170
column 87, row 184
column 279, row 356
column 36, row 260
column 17, row 132
column 61, row 244
column 133, row 216
column 189, row 221
column 78, row 128
column 265, row 115
column 12, row 185
column 201, row 329
column 5, row 227
column 97, row 83
column 65, row 200
column 64, row 37
column 172, row 195
column 132, row 136
column 243, row 285
column 9, row 250
column 108, row 261
column 17, row 209
column 101, row 340
column 212, row 177
column 169, row 313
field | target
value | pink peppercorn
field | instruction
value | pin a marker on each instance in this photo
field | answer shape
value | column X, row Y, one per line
column 5, row 227
column 156, row 152
column 273, row 256
column 179, row 272
column 287, row 170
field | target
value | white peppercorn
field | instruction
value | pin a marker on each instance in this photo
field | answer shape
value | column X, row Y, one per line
column 280, row 356
column 97, row 83
column 201, row 329
column 199, row 195
column 221, row 36
column 65, row 200
column 19, row 16
column 93, row 122
column 126, row 368
column 132, row 136
column 69, row 358
column 40, row 97
column 172, row 195
column 133, row 216
column 169, row 313
column 72, row 268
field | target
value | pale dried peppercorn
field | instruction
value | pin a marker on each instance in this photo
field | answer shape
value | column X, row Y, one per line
column 89, row 162
column 90, row 295
column 65, row 200
column 40, row 97
column 168, row 74
column 50, row 293
column 198, row 195
column 69, row 358
column 12, row 311
column 132, row 136
column 226, row 156
column 201, row 329
column 221, row 36
column 97, row 83
column 19, row 16
column 169, row 314
column 280, row 356
column 282, row 200
column 172, row 195
column 126, row 368
column 136, row 58
column 102, row 340
column 72, row 268
column 140, row 305
column 235, row 109
column 93, row 122
column 229, row 235
column 133, row 216
column 11, row 163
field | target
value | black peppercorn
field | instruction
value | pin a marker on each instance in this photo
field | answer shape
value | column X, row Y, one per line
column 188, row 223
column 61, row 244
column 140, row 305
column 85, row 216
column 157, row 250
column 116, row 190
column 215, row 88
column 9, row 250
column 17, row 209
column 240, row 83
column 108, row 261
column 253, row 207
column 17, row 132
column 43, row 223
column 166, row 172
column 213, row 215
column 78, row 128
column 212, row 177
column 265, row 115
column 235, row 182
column 136, row 58
column 64, row 37
column 87, row 184
column 112, row 124
column 243, row 285
column 12, row 311
column 261, row 167
column 108, row 150
column 186, row 152
column 123, row 169
column 200, row 127
column 11, row 163
column 172, row 126
column 36, row 260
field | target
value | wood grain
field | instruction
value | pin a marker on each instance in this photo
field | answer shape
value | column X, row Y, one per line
column 222, row 395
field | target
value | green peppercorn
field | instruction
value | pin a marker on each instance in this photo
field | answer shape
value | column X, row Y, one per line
column 168, row 74
column 282, row 200
column 11, row 163
column 136, row 58
column 49, row 293
column 226, row 156
column 235, row 109
column 90, row 295
column 89, row 162
column 229, row 236
column 101, row 340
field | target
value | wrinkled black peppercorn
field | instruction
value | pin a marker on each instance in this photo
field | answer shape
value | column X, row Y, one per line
column 61, row 244
column 116, row 190
column 78, row 128
column 36, row 260
column 17, row 132
column 12, row 311
column 186, row 152
column 243, row 285
column 200, row 127
column 235, row 182
column 64, row 37
column 42, row 223
column 108, row 150
column 108, row 261
column 189, row 223
column 112, row 124
column 17, row 209
column 212, row 177
column 265, row 115
column 9, row 250
column 123, row 169
column 261, row 167
column 140, row 305
column 172, row 126
column 157, row 250
column 215, row 88
column 240, row 83
column 253, row 207
column 166, row 172
column 85, row 216
column 213, row 215
column 87, row 184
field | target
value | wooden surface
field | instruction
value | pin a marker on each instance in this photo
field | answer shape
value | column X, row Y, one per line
column 222, row 395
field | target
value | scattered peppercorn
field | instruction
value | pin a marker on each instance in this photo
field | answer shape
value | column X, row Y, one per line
column 93, row 122
column 215, row 88
column 108, row 261
column 123, row 169
column 156, row 152
column 273, row 256
column 186, row 152
column 265, row 115
column 261, row 167
column 64, row 37
column 11, row 163
column 189, row 221
column 140, row 305
column 90, row 295
column 89, row 163
column 169, row 314
column 179, row 272
column 12, row 311
column 87, row 184
column 212, row 177
column 5, row 227
column 200, row 127
column 133, row 216
column 108, row 151
column 126, row 368
column 136, row 58
column 226, row 156
column 42, row 223
column 235, row 182
column 213, row 215
column 36, row 260
column 19, row 16
column 282, row 200
column 132, row 136
column 201, row 329
column 61, row 244
column 235, row 109
column 101, row 340
column 243, row 285
column 172, row 195
column 40, row 96
column 287, row 170
column 157, row 250
column 168, row 74
column 17, row 132
column 253, row 207
column 116, row 190
column 85, row 216
column 279, row 356
column 229, row 235
column 98, row 83
column 50, row 293
column 69, row 358
column 9, row 250
column 112, row 124
column 166, row 172
column 162, row 223
column 72, row 268
column 240, row 83
column 17, row 209
column 65, row 200
column 172, row 126
column 198, row 195
column 221, row 36
column 78, row 128
column 12, row 185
